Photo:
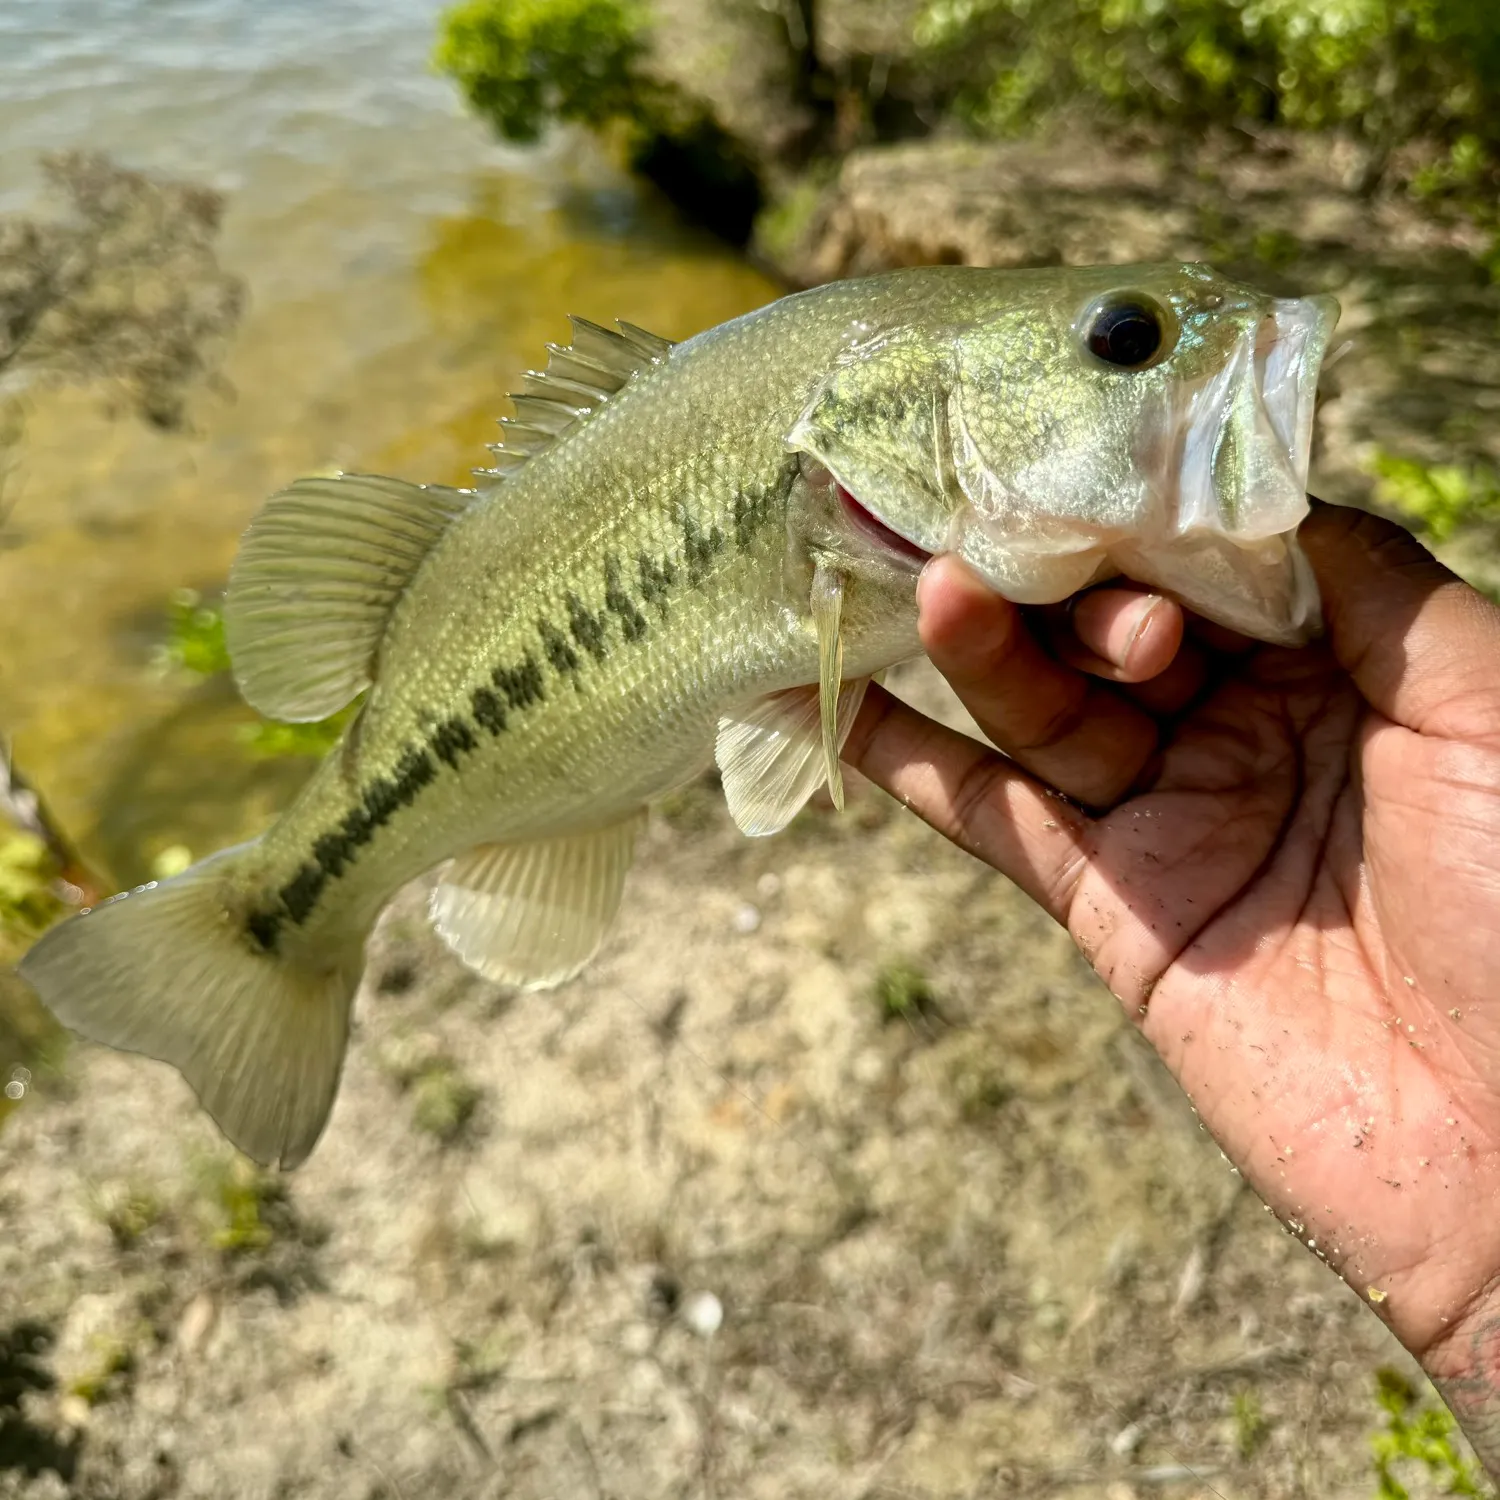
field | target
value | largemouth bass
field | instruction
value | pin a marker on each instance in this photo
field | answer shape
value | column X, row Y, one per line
column 683, row 552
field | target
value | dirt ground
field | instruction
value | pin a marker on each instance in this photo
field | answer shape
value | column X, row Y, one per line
column 838, row 1176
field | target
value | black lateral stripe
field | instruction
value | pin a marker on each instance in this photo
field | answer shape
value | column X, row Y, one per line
column 563, row 657
column 451, row 739
column 657, row 579
column 515, row 687
column 264, row 927
column 489, row 711
column 587, row 627
column 699, row 547
column 632, row 621
column 521, row 685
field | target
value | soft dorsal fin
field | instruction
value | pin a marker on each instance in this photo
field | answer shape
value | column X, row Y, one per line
column 579, row 378
column 314, row 583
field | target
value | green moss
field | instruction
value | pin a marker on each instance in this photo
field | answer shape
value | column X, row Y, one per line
column 1385, row 72
column 902, row 992
column 243, row 1205
column 1420, row 1434
column 781, row 227
column 1250, row 1424
column 443, row 1101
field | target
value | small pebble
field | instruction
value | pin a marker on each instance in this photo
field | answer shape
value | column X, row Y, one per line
column 1375, row 1294
column 747, row 919
column 704, row 1314
column 768, row 886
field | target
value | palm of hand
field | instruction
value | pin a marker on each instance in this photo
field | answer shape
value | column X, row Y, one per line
column 1291, row 901
column 1292, row 883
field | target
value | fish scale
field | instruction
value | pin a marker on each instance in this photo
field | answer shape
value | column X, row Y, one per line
column 680, row 553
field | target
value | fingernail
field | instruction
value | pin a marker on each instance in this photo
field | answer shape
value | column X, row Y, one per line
column 1136, row 620
column 924, row 577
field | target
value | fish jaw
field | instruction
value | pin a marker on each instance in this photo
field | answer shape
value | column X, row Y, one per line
column 1233, row 478
column 1204, row 501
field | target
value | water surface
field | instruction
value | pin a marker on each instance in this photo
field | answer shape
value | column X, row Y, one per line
column 403, row 270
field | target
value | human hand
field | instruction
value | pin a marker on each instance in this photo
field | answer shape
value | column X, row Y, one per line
column 1286, row 866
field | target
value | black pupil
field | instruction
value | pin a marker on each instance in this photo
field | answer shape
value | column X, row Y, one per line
column 1126, row 334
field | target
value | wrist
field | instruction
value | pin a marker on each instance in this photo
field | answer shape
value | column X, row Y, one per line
column 1464, row 1365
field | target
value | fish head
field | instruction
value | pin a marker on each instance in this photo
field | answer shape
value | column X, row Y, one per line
column 1059, row 427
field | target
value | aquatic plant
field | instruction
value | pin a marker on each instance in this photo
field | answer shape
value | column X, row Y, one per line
column 195, row 643
column 902, row 992
column 122, row 289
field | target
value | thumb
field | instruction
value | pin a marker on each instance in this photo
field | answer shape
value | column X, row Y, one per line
column 1422, row 646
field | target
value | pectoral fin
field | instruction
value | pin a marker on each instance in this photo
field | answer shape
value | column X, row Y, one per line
column 771, row 756
column 534, row 914
column 827, row 613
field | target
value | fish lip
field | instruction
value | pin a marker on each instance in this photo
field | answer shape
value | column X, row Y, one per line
column 871, row 528
column 1288, row 358
column 1276, row 363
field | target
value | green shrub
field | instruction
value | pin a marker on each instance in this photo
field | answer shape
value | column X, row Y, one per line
column 1385, row 71
column 525, row 63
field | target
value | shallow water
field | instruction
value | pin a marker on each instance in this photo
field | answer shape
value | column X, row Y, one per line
column 403, row 270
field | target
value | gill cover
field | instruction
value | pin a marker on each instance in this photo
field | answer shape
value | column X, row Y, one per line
column 1154, row 421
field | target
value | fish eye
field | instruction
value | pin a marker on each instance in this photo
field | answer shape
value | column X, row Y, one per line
column 1129, row 331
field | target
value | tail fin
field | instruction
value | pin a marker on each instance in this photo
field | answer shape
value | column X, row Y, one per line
column 164, row 970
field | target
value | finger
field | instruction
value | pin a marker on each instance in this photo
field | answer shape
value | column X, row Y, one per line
column 1171, row 690
column 978, row 799
column 1122, row 634
column 1422, row 646
column 1069, row 729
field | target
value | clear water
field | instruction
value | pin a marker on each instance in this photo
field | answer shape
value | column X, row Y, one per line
column 403, row 269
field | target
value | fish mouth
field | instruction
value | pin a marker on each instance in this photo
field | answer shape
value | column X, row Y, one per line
column 1289, row 350
column 868, row 525
column 1246, row 433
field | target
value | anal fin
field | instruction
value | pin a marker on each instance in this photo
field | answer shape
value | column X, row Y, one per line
column 533, row 914
column 772, row 756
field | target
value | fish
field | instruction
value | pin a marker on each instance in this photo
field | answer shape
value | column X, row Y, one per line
column 682, row 553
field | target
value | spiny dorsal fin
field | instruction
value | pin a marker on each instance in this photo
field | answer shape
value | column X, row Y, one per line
column 314, row 583
column 578, row 379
